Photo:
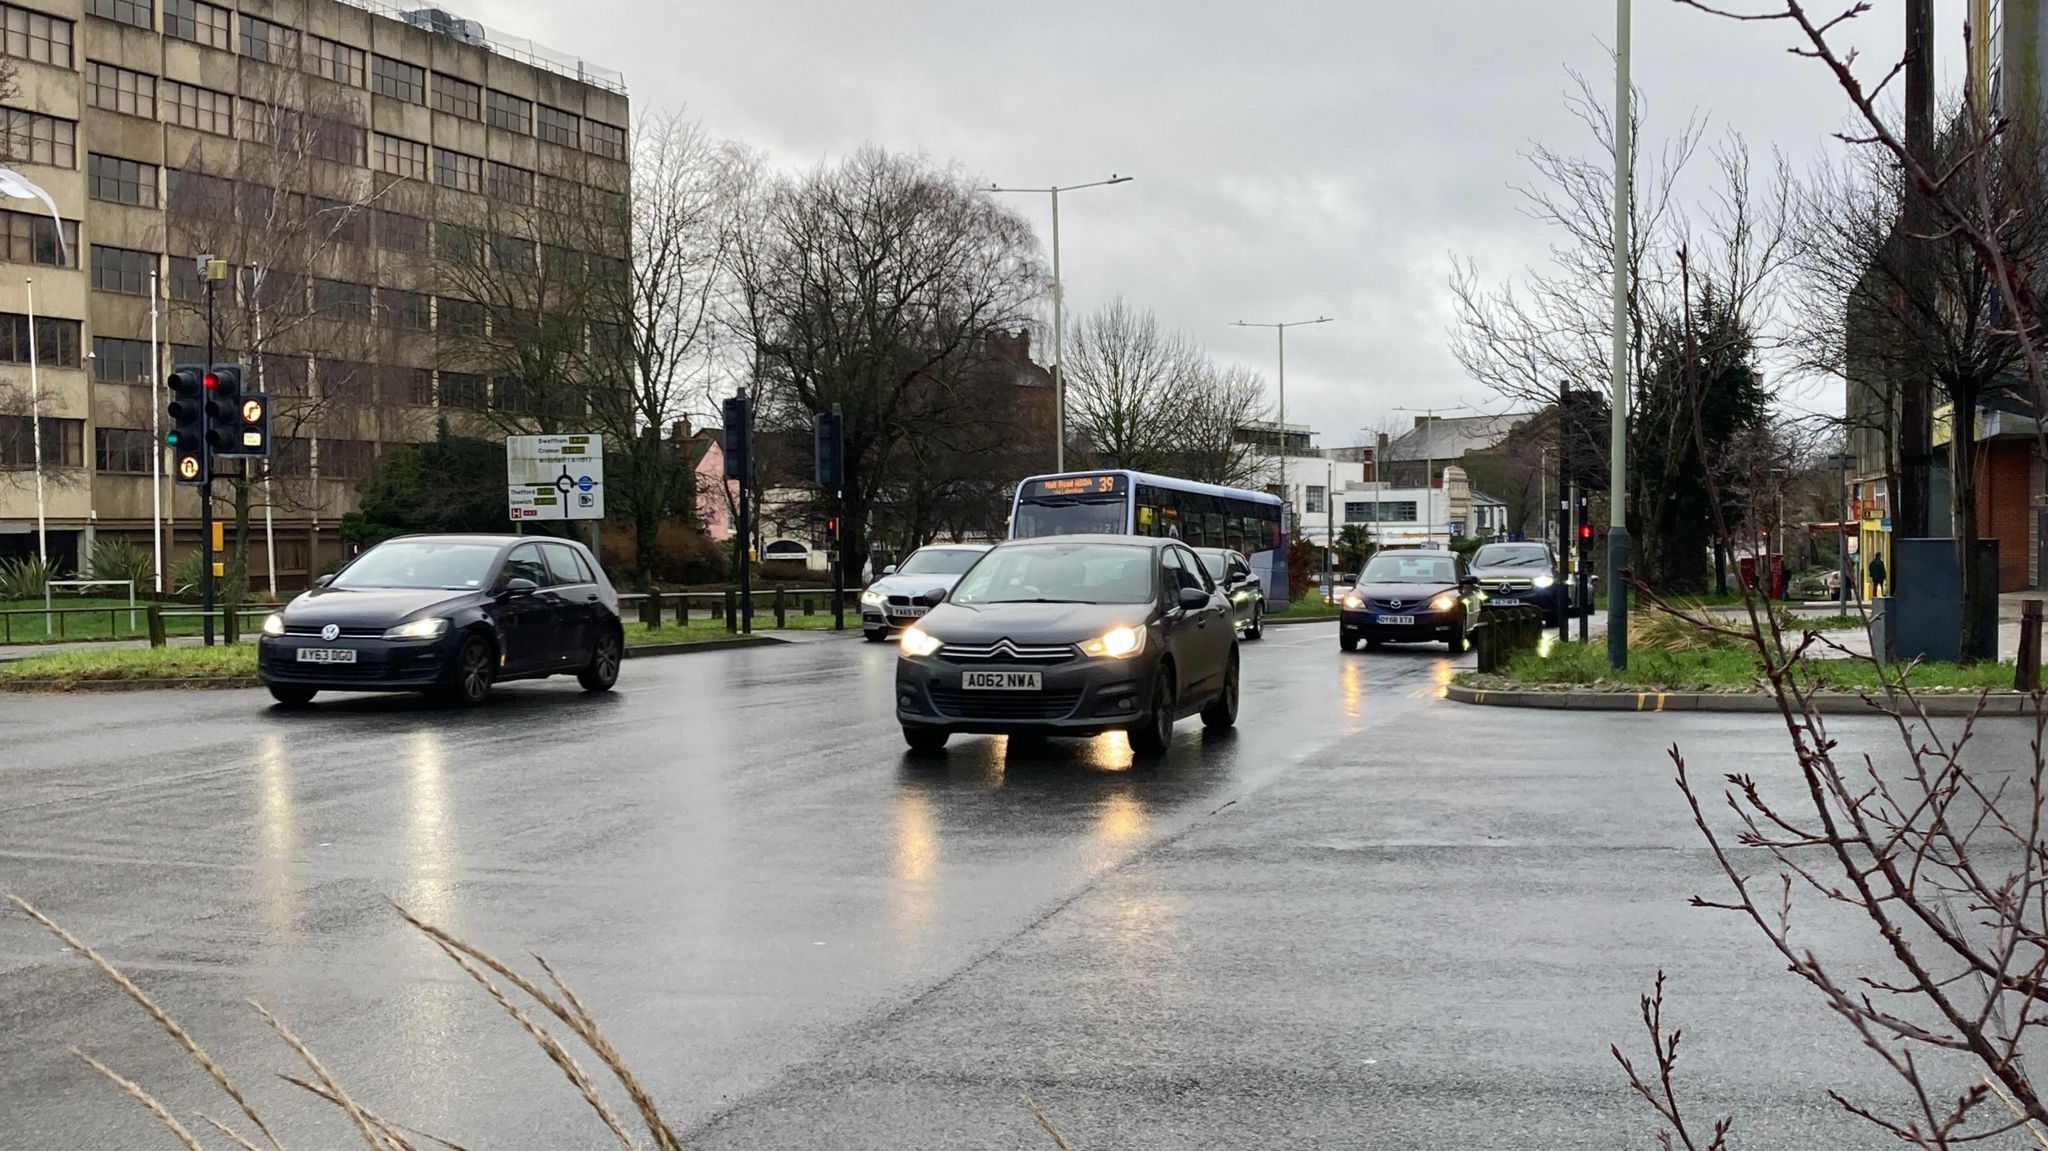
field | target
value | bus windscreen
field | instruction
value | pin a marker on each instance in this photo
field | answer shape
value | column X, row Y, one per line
column 1072, row 505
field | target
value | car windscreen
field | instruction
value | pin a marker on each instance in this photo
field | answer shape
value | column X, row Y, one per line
column 1394, row 568
column 1511, row 556
column 446, row 565
column 1216, row 563
column 1061, row 573
column 938, row 561
column 1071, row 516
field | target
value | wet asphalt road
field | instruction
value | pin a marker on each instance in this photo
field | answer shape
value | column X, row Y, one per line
column 1368, row 918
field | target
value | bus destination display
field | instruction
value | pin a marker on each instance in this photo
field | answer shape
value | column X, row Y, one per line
column 1076, row 486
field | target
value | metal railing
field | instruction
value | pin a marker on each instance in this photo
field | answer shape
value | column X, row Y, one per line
column 512, row 47
column 656, row 609
column 36, row 625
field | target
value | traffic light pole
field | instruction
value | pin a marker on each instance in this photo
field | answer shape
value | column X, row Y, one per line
column 746, row 520
column 206, row 492
column 838, row 560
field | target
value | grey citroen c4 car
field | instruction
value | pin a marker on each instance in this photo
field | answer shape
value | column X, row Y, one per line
column 1072, row 635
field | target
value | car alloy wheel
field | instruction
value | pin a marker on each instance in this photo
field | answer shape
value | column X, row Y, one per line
column 603, row 670
column 1223, row 712
column 1155, row 731
column 473, row 670
column 1258, row 625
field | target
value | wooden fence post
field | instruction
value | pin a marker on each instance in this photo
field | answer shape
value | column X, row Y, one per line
column 156, row 625
column 2026, row 675
column 732, row 616
column 781, row 608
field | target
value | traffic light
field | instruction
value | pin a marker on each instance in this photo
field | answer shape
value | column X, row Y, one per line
column 829, row 449
column 223, row 386
column 736, row 416
column 187, row 437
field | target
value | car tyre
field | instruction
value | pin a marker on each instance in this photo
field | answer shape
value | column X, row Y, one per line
column 474, row 668
column 1222, row 712
column 1375, row 644
column 1349, row 642
column 603, row 669
column 292, row 695
column 1257, row 628
column 1150, row 735
column 874, row 636
column 1458, row 641
column 926, row 740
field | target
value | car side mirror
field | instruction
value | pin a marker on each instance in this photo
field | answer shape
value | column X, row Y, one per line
column 1468, row 582
column 518, row 586
column 934, row 597
column 1193, row 599
column 323, row 580
column 889, row 570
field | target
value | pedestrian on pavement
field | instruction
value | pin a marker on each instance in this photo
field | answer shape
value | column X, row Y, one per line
column 1876, row 575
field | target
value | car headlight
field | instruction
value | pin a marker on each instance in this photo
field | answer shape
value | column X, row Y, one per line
column 1444, row 602
column 1544, row 581
column 873, row 598
column 917, row 641
column 1352, row 601
column 1116, row 643
column 419, row 629
column 273, row 624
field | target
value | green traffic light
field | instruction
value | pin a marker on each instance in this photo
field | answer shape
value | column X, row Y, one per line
column 171, row 438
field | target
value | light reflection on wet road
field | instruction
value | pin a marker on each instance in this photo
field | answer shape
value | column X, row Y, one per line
column 732, row 852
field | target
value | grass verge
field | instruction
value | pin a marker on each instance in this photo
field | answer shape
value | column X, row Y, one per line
column 1585, row 665
column 1309, row 604
column 23, row 622
column 170, row 663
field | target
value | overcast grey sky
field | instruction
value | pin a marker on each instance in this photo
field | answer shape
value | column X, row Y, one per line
column 1291, row 158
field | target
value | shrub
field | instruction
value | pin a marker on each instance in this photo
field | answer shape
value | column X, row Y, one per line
column 683, row 554
column 116, row 558
column 230, row 588
column 24, row 578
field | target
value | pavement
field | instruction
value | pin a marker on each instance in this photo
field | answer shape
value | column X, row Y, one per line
column 1367, row 918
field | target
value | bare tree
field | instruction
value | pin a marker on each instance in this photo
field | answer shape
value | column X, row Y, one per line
column 871, row 286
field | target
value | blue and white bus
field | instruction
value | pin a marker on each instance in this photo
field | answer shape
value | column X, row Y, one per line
column 1134, row 503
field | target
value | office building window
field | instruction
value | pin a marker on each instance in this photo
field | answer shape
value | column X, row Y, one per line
column 1317, row 497
column 398, row 232
column 34, row 36
column 506, row 182
column 182, row 282
column 338, row 140
column 400, row 157
column 282, row 292
column 344, row 380
column 407, row 82
column 557, row 126
column 119, row 181
column 63, row 442
column 196, row 193
column 119, row 90
column 1383, row 511
column 334, row 60
column 33, row 138
column 199, row 22
column 271, row 43
column 119, row 361
column 56, row 341
column 31, row 238
column 397, row 384
column 341, row 221
column 455, row 243
column 122, row 450
column 504, row 110
column 512, row 252
column 284, row 376
column 136, row 12
column 200, row 109
column 413, row 311
column 458, row 171
column 122, row 270
column 604, row 139
column 458, row 97
column 459, row 317
column 349, row 459
column 340, row 300
column 464, row 390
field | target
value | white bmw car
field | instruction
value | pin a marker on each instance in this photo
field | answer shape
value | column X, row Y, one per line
column 903, row 595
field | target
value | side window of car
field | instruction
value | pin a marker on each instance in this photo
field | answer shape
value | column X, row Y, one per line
column 1239, row 569
column 1169, row 574
column 525, row 563
column 562, row 564
column 1192, row 573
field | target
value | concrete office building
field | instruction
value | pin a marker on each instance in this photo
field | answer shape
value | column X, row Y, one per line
column 339, row 158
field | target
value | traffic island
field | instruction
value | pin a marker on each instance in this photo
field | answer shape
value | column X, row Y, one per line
column 1573, row 677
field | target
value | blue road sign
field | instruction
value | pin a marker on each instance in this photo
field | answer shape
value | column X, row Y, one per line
column 584, row 483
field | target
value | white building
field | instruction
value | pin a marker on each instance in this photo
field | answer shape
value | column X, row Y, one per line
column 1393, row 517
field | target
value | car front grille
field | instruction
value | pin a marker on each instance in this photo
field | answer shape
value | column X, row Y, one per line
column 314, row 629
column 1004, row 651
column 956, row 704
column 1504, row 584
column 1404, row 605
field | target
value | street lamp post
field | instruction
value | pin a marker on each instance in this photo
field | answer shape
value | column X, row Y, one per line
column 1617, row 453
column 1280, row 330
column 35, row 420
column 1843, row 462
column 1429, row 416
column 1059, row 332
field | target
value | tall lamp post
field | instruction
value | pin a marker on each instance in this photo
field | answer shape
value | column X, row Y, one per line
column 16, row 186
column 1059, row 331
column 1280, row 331
column 1617, row 448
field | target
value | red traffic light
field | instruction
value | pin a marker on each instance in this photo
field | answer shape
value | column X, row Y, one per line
column 1585, row 531
column 832, row 526
column 212, row 381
